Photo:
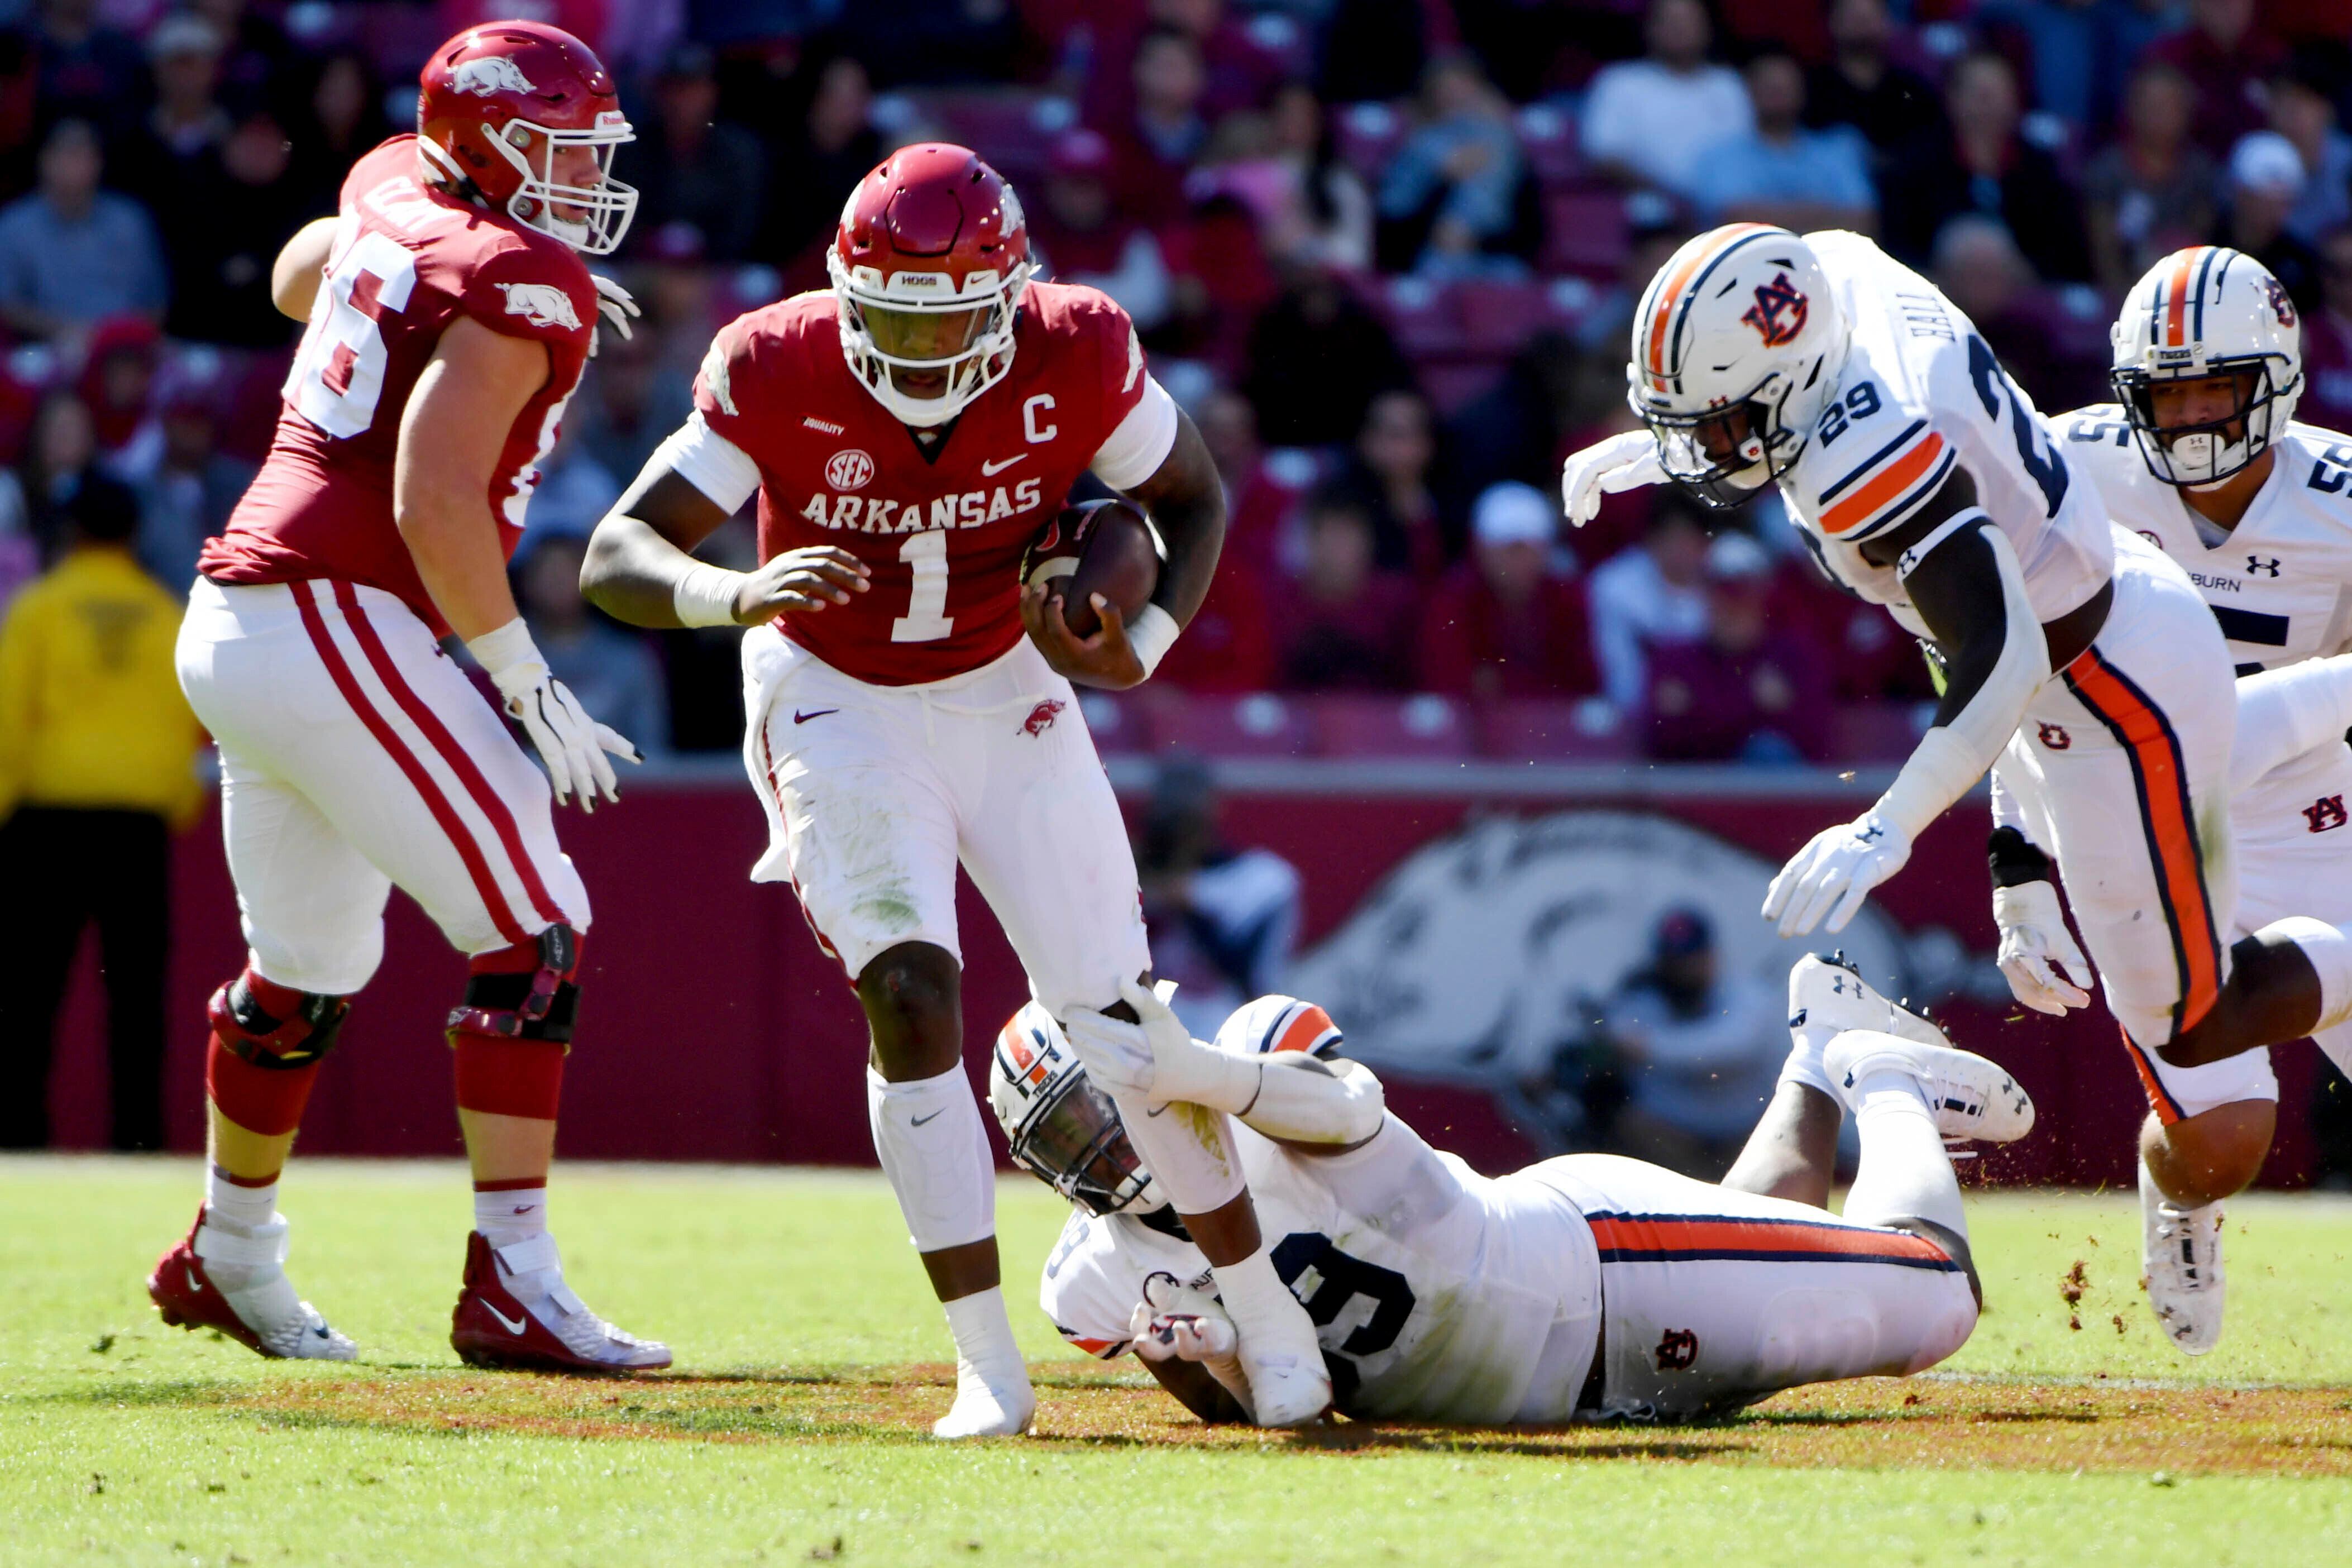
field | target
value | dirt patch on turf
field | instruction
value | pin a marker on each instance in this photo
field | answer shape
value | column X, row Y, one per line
column 1876, row 1423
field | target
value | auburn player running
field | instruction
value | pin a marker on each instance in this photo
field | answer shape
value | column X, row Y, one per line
column 1923, row 480
column 1581, row 1288
column 2203, row 459
column 909, row 432
column 449, row 317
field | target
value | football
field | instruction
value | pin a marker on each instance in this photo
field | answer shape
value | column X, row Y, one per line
column 1099, row 547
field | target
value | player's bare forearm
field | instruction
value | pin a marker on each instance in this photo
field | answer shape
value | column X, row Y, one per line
column 1197, row 1391
column 301, row 263
column 1955, row 588
column 1186, row 500
column 641, row 553
column 451, row 436
column 643, row 547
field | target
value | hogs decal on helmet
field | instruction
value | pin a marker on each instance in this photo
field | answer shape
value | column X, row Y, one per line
column 1737, row 346
column 524, row 118
column 929, row 265
column 2213, row 320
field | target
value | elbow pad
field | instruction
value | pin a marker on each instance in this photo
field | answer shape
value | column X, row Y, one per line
column 1307, row 1101
column 2282, row 713
column 1953, row 755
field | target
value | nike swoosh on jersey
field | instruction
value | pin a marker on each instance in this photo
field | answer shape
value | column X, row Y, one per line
column 919, row 1121
column 801, row 717
column 512, row 1325
column 193, row 1283
column 987, row 468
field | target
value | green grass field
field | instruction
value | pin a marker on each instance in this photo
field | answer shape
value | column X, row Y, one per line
column 809, row 1361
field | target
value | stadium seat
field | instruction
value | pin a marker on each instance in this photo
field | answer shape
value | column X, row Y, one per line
column 1423, row 725
column 1012, row 127
column 1117, row 727
column 1548, row 138
column 1585, row 231
column 1575, row 730
column 1877, row 731
column 1368, row 135
column 1259, row 724
column 1423, row 317
column 1453, row 384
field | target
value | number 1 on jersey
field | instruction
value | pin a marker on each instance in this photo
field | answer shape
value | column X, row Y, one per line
column 925, row 619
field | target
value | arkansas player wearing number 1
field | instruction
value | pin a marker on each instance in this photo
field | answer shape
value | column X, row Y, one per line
column 909, row 432
column 449, row 317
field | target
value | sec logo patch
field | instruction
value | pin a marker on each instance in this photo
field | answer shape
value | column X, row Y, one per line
column 849, row 469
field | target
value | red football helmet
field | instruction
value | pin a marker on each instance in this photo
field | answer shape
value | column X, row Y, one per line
column 928, row 266
column 498, row 98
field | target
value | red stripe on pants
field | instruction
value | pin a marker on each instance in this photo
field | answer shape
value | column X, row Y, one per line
column 460, row 839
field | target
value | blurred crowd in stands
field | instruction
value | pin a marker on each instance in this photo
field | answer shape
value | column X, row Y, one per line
column 1385, row 252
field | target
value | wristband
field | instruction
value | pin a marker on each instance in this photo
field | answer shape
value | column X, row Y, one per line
column 1151, row 634
column 705, row 595
column 1938, row 771
column 500, row 651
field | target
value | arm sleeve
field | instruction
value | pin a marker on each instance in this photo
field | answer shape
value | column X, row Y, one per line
column 712, row 463
column 1305, row 1101
column 1141, row 441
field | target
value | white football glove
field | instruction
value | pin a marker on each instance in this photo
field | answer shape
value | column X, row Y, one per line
column 2038, row 955
column 1176, row 1323
column 572, row 744
column 616, row 305
column 1158, row 1058
column 1830, row 877
column 1623, row 462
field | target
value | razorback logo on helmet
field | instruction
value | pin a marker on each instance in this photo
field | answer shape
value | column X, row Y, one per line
column 2281, row 306
column 542, row 304
column 486, row 74
column 1779, row 313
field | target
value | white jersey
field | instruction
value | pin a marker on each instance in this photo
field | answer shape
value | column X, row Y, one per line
column 1920, row 393
column 1438, row 1294
column 2280, row 584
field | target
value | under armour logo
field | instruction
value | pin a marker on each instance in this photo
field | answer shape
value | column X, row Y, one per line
column 2325, row 813
column 2256, row 563
column 1779, row 313
column 1871, row 834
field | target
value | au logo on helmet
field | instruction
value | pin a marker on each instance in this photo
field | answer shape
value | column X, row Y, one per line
column 2280, row 305
column 486, row 74
column 1779, row 313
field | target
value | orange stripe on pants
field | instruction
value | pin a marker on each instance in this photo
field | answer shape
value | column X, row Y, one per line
column 2178, row 860
column 2159, row 1099
column 1656, row 1234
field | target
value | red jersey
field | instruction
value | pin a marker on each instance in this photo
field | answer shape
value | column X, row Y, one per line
column 942, row 527
column 408, row 261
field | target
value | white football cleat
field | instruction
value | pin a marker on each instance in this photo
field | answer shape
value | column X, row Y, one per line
column 2180, row 1259
column 982, row 1409
column 1831, row 993
column 1972, row 1098
column 235, row 1282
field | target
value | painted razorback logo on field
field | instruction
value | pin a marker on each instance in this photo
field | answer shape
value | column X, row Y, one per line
column 1779, row 313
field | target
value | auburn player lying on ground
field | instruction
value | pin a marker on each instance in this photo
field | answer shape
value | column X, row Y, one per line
column 1581, row 1288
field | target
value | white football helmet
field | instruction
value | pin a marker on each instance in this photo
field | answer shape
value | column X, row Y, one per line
column 1271, row 1024
column 1736, row 347
column 2202, row 312
column 1062, row 1129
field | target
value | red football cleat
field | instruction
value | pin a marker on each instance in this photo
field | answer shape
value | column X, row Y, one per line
column 516, row 1312
column 262, row 1313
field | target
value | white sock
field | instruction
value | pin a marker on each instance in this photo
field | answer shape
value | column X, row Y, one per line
column 1904, row 1171
column 1251, row 1289
column 2330, row 951
column 985, row 1348
column 1189, row 1148
column 235, row 1207
column 516, row 1215
column 933, row 1148
column 1806, row 1044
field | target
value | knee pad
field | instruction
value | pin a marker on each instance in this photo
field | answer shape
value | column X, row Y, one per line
column 270, row 1025
column 524, row 992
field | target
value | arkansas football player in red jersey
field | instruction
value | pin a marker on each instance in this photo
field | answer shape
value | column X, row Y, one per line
column 909, row 432
column 449, row 316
